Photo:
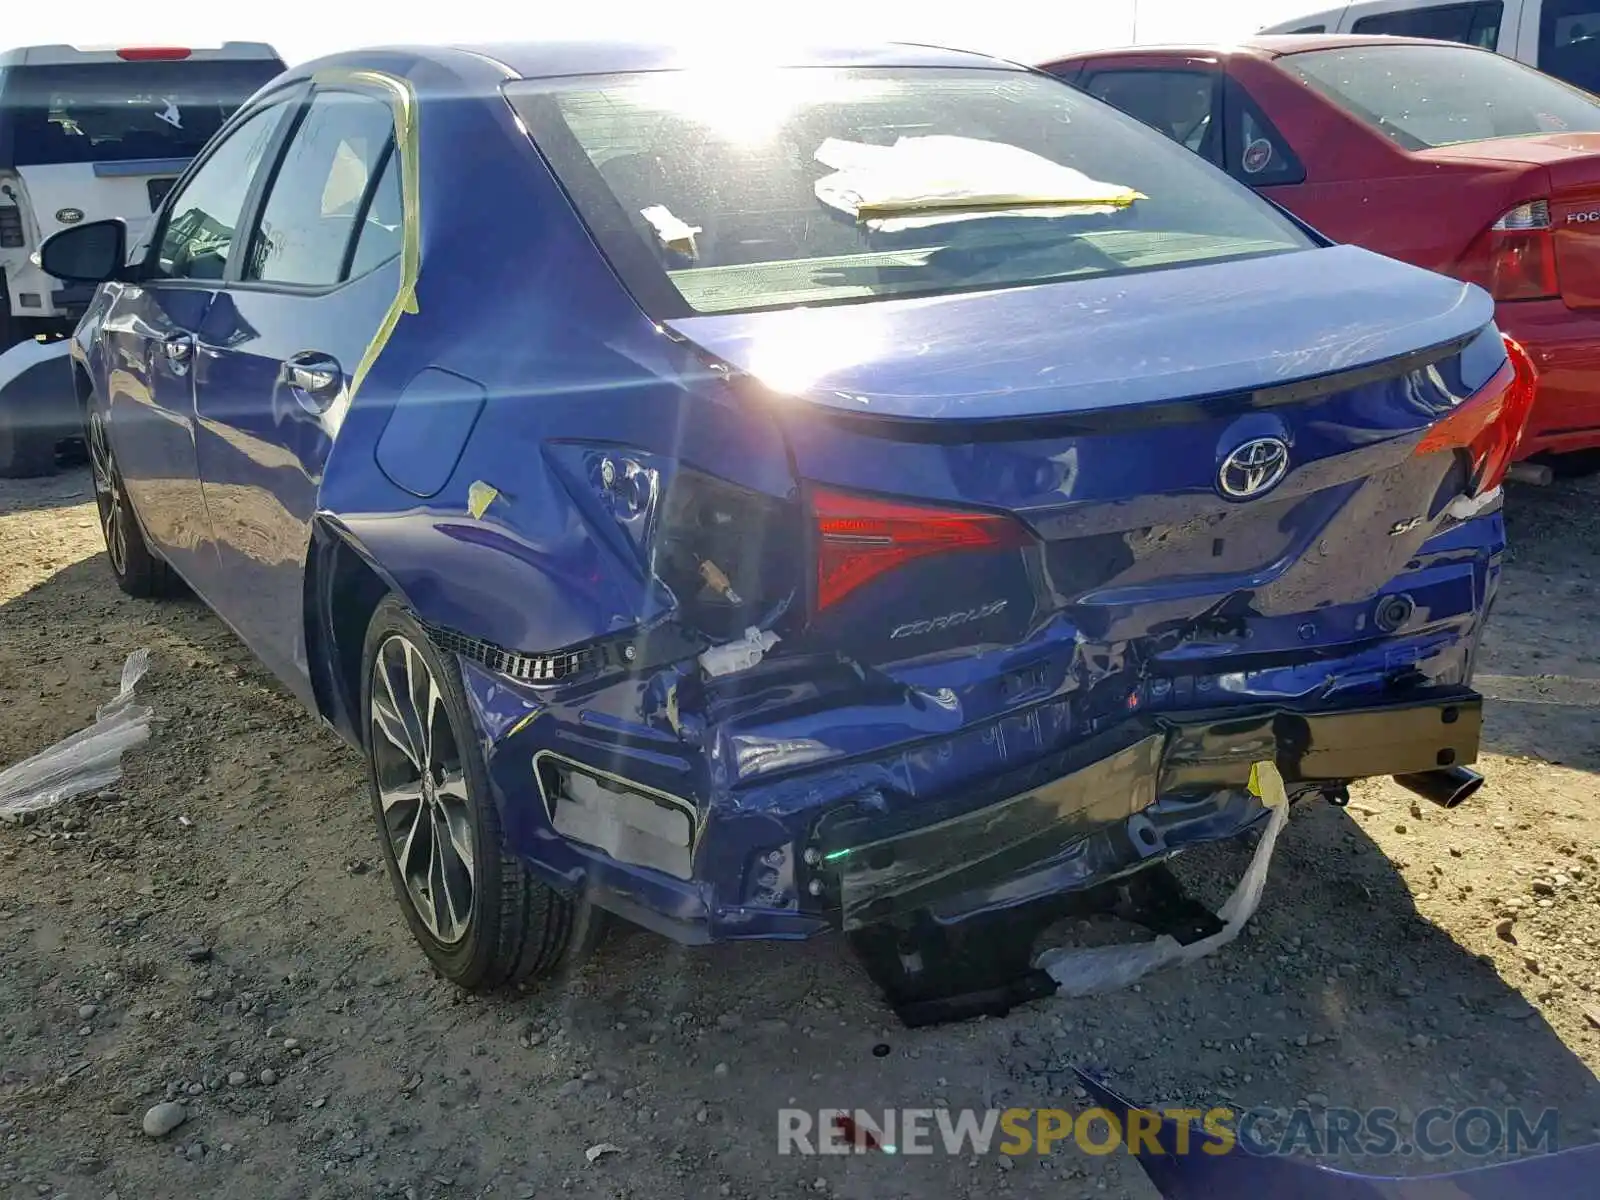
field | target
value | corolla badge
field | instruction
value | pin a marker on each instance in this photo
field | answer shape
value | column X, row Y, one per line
column 1254, row 468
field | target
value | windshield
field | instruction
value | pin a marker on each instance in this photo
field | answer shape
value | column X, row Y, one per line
column 1422, row 96
column 719, row 193
column 119, row 111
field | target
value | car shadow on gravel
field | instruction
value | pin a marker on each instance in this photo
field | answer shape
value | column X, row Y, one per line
column 72, row 485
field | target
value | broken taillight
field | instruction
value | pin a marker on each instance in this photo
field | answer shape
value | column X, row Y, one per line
column 1521, row 253
column 726, row 552
column 1488, row 425
column 860, row 537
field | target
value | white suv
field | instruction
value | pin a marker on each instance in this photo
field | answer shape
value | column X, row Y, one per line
column 90, row 133
column 1559, row 37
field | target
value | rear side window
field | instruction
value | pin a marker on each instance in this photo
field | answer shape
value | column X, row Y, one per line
column 1422, row 96
column 1473, row 24
column 1179, row 104
column 1569, row 41
column 319, row 199
column 712, row 192
column 118, row 111
column 379, row 236
column 1254, row 151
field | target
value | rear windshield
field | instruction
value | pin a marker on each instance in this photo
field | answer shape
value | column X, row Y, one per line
column 726, row 191
column 114, row 111
column 1422, row 96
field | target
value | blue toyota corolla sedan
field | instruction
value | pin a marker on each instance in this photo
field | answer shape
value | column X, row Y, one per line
column 844, row 490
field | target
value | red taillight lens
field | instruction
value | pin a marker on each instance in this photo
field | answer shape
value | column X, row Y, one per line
column 1522, row 254
column 153, row 53
column 861, row 537
column 1489, row 425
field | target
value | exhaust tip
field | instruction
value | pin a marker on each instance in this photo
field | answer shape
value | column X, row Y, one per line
column 1447, row 787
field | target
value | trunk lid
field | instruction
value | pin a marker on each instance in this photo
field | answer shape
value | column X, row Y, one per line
column 1089, row 347
column 1103, row 415
column 1565, row 169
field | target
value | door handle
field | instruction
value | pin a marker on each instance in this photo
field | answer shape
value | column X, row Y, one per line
column 315, row 379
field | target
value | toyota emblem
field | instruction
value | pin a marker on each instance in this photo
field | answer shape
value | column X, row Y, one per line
column 1254, row 468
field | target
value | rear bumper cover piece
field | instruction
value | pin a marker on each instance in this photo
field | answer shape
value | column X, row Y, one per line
column 877, row 868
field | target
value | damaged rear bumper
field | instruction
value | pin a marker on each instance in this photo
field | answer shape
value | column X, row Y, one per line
column 1111, row 808
column 802, row 855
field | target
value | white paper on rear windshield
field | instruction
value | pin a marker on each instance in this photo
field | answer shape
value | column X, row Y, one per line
column 923, row 175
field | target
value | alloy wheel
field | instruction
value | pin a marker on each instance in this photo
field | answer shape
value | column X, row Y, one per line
column 422, row 789
column 108, row 496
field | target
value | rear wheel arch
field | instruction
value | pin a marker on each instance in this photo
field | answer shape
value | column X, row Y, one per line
column 343, row 589
column 82, row 388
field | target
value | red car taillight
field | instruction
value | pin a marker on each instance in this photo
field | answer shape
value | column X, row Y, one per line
column 861, row 537
column 1489, row 424
column 1522, row 254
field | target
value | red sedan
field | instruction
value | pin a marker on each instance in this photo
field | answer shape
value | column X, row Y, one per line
column 1443, row 155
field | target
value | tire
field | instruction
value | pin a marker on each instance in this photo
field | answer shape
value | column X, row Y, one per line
column 26, row 451
column 138, row 571
column 486, row 923
column 10, row 330
column 1576, row 464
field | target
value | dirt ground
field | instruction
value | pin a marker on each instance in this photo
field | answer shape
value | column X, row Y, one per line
column 219, row 929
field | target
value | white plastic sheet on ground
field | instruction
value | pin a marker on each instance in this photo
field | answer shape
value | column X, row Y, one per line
column 87, row 761
column 1086, row 972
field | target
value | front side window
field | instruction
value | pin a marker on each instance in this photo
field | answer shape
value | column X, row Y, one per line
column 1473, row 24
column 1422, row 96
column 712, row 191
column 203, row 216
column 1176, row 103
column 117, row 111
column 319, row 197
column 1569, row 41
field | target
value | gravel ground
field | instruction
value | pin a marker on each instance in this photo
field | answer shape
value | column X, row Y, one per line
column 218, row 933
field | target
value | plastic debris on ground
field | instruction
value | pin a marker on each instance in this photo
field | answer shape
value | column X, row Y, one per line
column 1086, row 972
column 89, row 760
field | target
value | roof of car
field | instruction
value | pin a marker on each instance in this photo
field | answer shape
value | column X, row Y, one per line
column 1265, row 45
column 543, row 60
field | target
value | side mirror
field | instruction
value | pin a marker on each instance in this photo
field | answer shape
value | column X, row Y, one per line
column 92, row 253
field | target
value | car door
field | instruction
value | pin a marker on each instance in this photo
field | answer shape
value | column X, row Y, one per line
column 281, row 344
column 1180, row 97
column 152, row 326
